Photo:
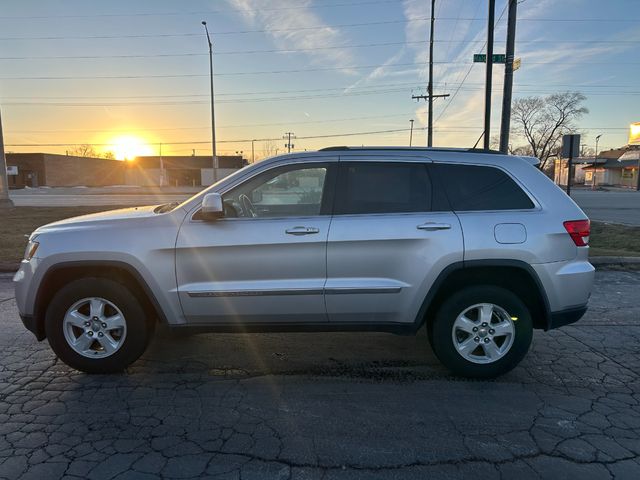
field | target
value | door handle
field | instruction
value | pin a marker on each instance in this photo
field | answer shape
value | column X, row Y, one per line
column 302, row 231
column 432, row 226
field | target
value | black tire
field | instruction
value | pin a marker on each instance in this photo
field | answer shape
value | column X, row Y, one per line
column 443, row 344
column 138, row 333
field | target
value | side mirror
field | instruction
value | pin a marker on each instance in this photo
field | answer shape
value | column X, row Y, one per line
column 212, row 207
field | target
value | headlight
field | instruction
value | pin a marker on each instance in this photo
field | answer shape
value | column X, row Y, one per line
column 31, row 249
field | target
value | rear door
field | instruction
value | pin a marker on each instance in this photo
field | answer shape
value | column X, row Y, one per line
column 391, row 235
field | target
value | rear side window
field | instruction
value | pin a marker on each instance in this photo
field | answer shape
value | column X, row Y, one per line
column 383, row 188
column 471, row 187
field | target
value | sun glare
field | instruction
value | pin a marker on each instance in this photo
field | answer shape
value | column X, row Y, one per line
column 127, row 147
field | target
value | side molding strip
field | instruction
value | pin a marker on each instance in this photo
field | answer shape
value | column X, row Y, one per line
column 295, row 291
column 256, row 293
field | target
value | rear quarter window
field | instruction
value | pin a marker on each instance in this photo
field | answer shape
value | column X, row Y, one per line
column 473, row 188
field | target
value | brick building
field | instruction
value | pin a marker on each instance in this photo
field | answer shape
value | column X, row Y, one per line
column 175, row 171
column 52, row 170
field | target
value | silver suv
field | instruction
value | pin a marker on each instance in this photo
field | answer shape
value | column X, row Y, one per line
column 478, row 247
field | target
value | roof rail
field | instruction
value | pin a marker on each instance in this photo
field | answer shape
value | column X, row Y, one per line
column 427, row 149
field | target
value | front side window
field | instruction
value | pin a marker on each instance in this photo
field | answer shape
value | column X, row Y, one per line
column 472, row 188
column 369, row 188
column 283, row 192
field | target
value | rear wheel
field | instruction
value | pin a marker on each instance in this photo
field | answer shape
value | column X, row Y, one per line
column 482, row 331
column 97, row 325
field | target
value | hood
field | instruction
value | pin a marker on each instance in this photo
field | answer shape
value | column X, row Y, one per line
column 100, row 219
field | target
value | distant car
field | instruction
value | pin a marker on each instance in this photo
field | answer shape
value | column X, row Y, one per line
column 478, row 247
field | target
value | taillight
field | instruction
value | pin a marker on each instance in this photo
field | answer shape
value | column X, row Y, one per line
column 579, row 231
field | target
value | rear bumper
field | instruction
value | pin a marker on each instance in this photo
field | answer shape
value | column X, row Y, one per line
column 566, row 317
column 35, row 327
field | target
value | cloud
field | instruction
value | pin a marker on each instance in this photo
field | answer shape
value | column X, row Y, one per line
column 280, row 18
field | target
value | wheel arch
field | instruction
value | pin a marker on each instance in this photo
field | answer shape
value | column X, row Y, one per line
column 60, row 274
column 514, row 275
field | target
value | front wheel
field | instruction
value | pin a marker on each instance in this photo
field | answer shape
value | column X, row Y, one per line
column 97, row 325
column 482, row 332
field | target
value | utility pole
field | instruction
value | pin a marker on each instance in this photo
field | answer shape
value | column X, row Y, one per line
column 253, row 152
column 430, row 96
column 489, row 75
column 161, row 168
column 5, row 201
column 213, row 115
column 595, row 163
column 505, row 124
column 411, row 132
column 287, row 136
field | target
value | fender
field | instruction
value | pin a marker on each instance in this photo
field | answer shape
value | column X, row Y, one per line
column 469, row 264
column 96, row 263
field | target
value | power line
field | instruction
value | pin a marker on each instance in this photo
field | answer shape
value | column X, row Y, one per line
column 273, row 72
column 301, row 50
column 455, row 94
column 203, row 12
column 551, row 86
column 322, row 27
column 331, row 120
column 199, row 142
column 233, row 52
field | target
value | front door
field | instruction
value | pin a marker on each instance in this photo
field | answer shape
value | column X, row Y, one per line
column 265, row 261
column 391, row 235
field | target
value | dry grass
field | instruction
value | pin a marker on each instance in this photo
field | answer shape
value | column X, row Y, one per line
column 614, row 239
column 17, row 223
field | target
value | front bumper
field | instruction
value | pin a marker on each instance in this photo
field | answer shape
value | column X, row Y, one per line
column 566, row 317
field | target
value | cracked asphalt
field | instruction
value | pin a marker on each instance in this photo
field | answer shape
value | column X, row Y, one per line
column 325, row 406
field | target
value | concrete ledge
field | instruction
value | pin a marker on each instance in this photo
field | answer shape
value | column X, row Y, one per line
column 610, row 260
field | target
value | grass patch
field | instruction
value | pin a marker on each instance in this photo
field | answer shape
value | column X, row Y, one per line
column 613, row 239
column 17, row 223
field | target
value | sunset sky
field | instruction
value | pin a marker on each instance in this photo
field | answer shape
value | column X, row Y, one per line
column 135, row 73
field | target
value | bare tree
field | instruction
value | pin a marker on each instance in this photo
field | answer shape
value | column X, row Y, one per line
column 542, row 121
column 109, row 155
column 269, row 148
column 84, row 150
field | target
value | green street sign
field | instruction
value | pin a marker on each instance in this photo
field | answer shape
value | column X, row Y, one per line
column 482, row 58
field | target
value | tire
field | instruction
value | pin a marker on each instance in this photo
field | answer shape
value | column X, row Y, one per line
column 490, row 354
column 123, row 326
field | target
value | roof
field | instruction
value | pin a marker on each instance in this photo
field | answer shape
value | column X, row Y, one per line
column 452, row 155
column 409, row 149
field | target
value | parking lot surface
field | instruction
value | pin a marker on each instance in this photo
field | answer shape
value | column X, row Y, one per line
column 324, row 406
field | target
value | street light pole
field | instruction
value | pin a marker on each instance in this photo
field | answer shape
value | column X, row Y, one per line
column 213, row 116
column 5, row 201
column 595, row 164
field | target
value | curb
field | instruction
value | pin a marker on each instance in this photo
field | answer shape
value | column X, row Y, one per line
column 606, row 261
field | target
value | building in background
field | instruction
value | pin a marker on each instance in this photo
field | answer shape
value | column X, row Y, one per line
column 178, row 171
column 52, row 170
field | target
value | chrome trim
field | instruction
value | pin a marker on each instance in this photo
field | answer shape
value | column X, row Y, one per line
column 360, row 291
column 256, row 293
column 295, row 291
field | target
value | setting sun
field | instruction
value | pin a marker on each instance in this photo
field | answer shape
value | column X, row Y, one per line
column 127, row 147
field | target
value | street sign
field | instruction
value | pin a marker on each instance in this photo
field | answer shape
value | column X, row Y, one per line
column 517, row 63
column 570, row 146
column 12, row 170
column 482, row 58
